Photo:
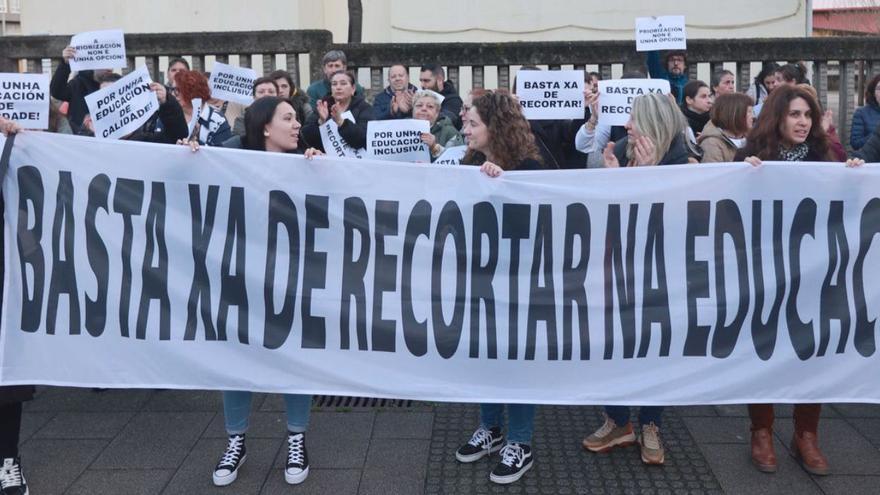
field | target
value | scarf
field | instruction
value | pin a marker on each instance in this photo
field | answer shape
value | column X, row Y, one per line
column 795, row 154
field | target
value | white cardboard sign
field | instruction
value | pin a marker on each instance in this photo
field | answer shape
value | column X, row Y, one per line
column 616, row 97
column 334, row 144
column 98, row 50
column 122, row 107
column 398, row 140
column 554, row 94
column 232, row 83
column 24, row 98
column 660, row 33
column 451, row 156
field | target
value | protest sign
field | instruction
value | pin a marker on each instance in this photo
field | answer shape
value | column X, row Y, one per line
column 451, row 156
column 98, row 50
column 241, row 270
column 122, row 107
column 554, row 94
column 24, row 98
column 232, row 83
column 616, row 97
column 660, row 33
column 398, row 140
column 334, row 144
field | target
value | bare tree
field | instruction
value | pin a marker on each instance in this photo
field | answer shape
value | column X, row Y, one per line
column 355, row 21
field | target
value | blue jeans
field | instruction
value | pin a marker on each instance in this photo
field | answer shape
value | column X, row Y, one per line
column 521, row 416
column 237, row 409
column 647, row 414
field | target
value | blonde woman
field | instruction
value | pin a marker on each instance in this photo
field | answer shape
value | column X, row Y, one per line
column 655, row 135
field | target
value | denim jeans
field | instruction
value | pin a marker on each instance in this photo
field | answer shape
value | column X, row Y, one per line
column 647, row 414
column 237, row 409
column 521, row 416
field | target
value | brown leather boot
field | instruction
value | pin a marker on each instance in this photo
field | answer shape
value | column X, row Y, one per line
column 805, row 449
column 763, row 453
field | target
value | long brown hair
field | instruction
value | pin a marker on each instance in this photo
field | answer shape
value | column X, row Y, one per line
column 765, row 137
column 511, row 140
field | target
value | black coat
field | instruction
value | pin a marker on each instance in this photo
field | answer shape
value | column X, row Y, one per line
column 870, row 152
column 451, row 106
column 74, row 92
column 173, row 124
column 354, row 133
column 677, row 154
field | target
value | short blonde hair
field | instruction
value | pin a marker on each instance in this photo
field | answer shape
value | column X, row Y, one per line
column 423, row 93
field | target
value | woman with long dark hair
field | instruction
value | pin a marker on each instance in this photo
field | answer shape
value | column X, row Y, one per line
column 498, row 139
column 790, row 130
column 270, row 125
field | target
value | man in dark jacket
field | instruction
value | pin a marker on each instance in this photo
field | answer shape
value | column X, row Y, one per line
column 74, row 91
column 333, row 61
column 675, row 71
column 432, row 77
column 395, row 101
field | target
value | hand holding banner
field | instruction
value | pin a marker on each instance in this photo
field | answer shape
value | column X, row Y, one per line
column 660, row 33
column 553, row 95
column 616, row 97
column 24, row 98
column 119, row 109
column 98, row 50
column 398, row 140
column 232, row 83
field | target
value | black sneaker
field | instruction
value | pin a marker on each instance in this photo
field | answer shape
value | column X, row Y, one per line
column 482, row 443
column 12, row 481
column 227, row 469
column 297, row 469
column 516, row 459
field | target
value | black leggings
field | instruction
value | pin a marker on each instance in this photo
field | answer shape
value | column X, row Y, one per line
column 10, row 427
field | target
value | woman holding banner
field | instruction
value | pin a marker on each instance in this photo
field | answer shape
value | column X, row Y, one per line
column 790, row 130
column 655, row 136
column 499, row 139
column 270, row 125
column 207, row 123
column 350, row 112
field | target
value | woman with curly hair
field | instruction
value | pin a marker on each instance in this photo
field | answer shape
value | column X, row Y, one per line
column 211, row 127
column 499, row 139
column 789, row 130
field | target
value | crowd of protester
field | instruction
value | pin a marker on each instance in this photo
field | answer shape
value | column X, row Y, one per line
column 778, row 117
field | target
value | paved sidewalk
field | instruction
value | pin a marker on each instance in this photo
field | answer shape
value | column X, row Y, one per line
column 143, row 441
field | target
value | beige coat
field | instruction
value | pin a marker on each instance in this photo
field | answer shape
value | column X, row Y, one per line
column 716, row 146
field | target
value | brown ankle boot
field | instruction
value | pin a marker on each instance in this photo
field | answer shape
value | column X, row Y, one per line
column 805, row 449
column 763, row 453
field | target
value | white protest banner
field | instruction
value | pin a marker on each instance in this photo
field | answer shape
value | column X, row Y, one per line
column 660, row 33
column 334, row 144
column 232, row 83
column 616, row 97
column 241, row 270
column 451, row 156
column 553, row 94
column 122, row 107
column 24, row 98
column 398, row 140
column 98, row 50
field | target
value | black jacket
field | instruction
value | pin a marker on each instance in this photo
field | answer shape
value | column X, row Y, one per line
column 550, row 136
column 74, row 92
column 676, row 155
column 870, row 152
column 354, row 133
column 173, row 124
column 696, row 121
column 451, row 106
